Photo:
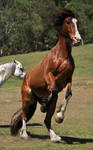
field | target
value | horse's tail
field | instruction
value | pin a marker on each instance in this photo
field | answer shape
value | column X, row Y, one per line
column 16, row 122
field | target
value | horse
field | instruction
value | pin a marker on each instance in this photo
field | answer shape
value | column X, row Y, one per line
column 13, row 68
column 49, row 77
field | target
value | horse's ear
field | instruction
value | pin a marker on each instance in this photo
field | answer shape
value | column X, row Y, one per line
column 14, row 61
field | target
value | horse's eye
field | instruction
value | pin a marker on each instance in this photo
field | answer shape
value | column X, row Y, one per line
column 68, row 22
column 22, row 69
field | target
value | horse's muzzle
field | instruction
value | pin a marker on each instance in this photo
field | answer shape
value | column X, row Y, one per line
column 22, row 75
column 75, row 41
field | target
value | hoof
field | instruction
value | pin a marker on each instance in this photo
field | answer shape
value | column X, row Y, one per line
column 55, row 92
column 56, row 140
column 53, row 137
column 59, row 120
column 23, row 135
column 43, row 108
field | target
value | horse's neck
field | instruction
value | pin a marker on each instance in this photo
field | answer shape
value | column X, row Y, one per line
column 63, row 47
column 10, row 68
column 7, row 71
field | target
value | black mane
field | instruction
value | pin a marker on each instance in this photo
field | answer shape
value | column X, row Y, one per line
column 60, row 15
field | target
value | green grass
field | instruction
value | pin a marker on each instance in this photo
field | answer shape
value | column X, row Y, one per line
column 77, row 128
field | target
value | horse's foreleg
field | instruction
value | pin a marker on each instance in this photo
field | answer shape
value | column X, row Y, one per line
column 63, row 106
column 50, row 79
column 50, row 112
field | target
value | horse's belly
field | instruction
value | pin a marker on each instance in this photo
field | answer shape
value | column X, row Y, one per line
column 40, row 89
column 62, row 82
column 60, row 85
column 42, row 92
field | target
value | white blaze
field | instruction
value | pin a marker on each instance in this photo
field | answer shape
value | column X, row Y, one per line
column 77, row 35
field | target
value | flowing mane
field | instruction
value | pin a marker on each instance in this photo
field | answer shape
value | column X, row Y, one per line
column 60, row 15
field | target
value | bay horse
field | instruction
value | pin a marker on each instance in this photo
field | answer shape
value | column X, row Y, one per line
column 43, row 83
column 13, row 68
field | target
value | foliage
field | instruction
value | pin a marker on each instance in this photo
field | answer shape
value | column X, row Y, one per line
column 26, row 25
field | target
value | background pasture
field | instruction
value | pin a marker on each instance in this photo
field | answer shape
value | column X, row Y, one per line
column 77, row 128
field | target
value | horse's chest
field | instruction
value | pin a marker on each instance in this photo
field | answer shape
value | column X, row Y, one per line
column 64, row 75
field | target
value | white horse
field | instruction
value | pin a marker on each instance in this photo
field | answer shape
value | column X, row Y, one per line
column 14, row 68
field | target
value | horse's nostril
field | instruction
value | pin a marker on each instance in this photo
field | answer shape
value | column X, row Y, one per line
column 22, row 69
column 77, row 39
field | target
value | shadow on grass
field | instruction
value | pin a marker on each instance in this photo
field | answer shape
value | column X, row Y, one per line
column 28, row 125
column 65, row 139
column 43, row 137
column 73, row 140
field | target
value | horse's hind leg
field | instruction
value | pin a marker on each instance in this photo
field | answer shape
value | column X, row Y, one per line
column 28, row 109
column 50, row 112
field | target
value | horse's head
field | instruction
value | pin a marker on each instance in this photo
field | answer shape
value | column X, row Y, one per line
column 68, row 24
column 70, row 29
column 19, row 70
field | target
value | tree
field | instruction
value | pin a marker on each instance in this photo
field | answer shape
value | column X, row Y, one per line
column 62, row 3
column 27, row 25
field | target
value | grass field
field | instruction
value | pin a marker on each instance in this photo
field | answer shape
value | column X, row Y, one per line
column 76, row 130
